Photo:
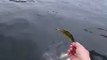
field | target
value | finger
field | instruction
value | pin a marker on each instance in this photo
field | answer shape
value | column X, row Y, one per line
column 69, row 49
column 72, row 43
column 69, row 53
column 78, row 45
column 72, row 51
column 70, row 46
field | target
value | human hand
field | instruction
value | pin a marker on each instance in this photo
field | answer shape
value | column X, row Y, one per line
column 78, row 52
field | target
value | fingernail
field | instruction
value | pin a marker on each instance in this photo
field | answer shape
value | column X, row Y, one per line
column 68, row 50
column 78, row 43
column 70, row 46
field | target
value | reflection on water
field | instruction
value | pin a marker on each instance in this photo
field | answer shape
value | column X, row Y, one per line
column 93, row 55
column 95, row 31
column 27, row 22
column 105, row 36
column 88, row 31
column 16, row 49
column 56, row 51
column 22, row 0
column 100, row 29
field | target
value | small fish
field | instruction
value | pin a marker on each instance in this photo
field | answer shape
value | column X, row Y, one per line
column 67, row 34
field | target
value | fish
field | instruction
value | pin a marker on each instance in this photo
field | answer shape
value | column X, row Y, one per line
column 67, row 34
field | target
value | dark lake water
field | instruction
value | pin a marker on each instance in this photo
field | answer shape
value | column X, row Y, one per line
column 28, row 29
